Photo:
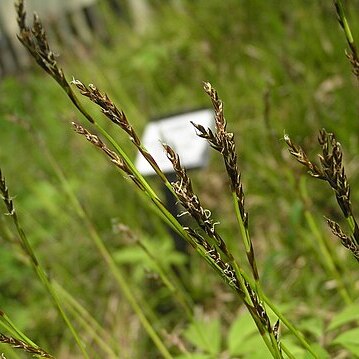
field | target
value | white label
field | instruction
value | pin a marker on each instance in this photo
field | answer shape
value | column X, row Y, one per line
column 178, row 132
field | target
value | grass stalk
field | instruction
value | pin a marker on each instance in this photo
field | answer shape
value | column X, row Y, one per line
column 170, row 282
column 103, row 101
column 10, row 327
column 209, row 243
column 223, row 142
column 35, row 40
column 353, row 54
column 327, row 257
column 332, row 171
column 87, row 321
column 208, row 252
column 29, row 252
column 114, row 269
column 290, row 326
column 326, row 254
column 14, row 343
column 100, row 246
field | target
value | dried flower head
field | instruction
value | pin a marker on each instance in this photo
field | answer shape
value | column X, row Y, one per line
column 35, row 40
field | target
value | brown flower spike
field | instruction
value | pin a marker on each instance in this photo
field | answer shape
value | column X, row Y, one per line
column 332, row 171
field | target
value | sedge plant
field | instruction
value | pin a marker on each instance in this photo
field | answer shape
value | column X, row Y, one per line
column 204, row 237
column 206, row 240
column 331, row 168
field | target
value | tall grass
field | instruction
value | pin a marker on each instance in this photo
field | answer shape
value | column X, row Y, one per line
column 239, row 271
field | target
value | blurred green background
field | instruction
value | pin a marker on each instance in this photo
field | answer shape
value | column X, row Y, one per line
column 278, row 66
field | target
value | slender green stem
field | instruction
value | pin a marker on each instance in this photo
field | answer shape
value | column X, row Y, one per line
column 173, row 222
column 286, row 350
column 262, row 331
column 325, row 254
column 165, row 214
column 353, row 56
column 95, row 330
column 252, row 262
column 28, row 250
column 58, row 303
column 8, row 325
column 290, row 326
column 120, row 278
column 282, row 318
column 344, row 22
column 104, row 252
column 352, row 225
column 128, row 293
column 245, row 236
column 327, row 257
column 177, row 293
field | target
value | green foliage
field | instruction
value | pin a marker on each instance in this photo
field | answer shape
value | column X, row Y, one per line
column 349, row 340
column 242, row 339
column 162, row 256
column 296, row 52
column 205, row 335
column 349, row 315
column 346, row 324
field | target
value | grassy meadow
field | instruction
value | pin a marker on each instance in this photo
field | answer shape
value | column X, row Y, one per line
column 279, row 68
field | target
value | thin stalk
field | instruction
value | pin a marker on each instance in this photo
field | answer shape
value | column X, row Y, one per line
column 9, row 326
column 344, row 23
column 353, row 56
column 42, row 275
column 272, row 347
column 120, row 278
column 252, row 262
column 262, row 332
column 285, row 321
column 247, row 243
column 95, row 330
column 101, row 247
column 173, row 222
column 78, row 311
column 128, row 294
column 353, row 227
column 174, row 290
column 28, row 250
column 177, row 293
column 327, row 257
column 286, row 350
column 290, row 326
